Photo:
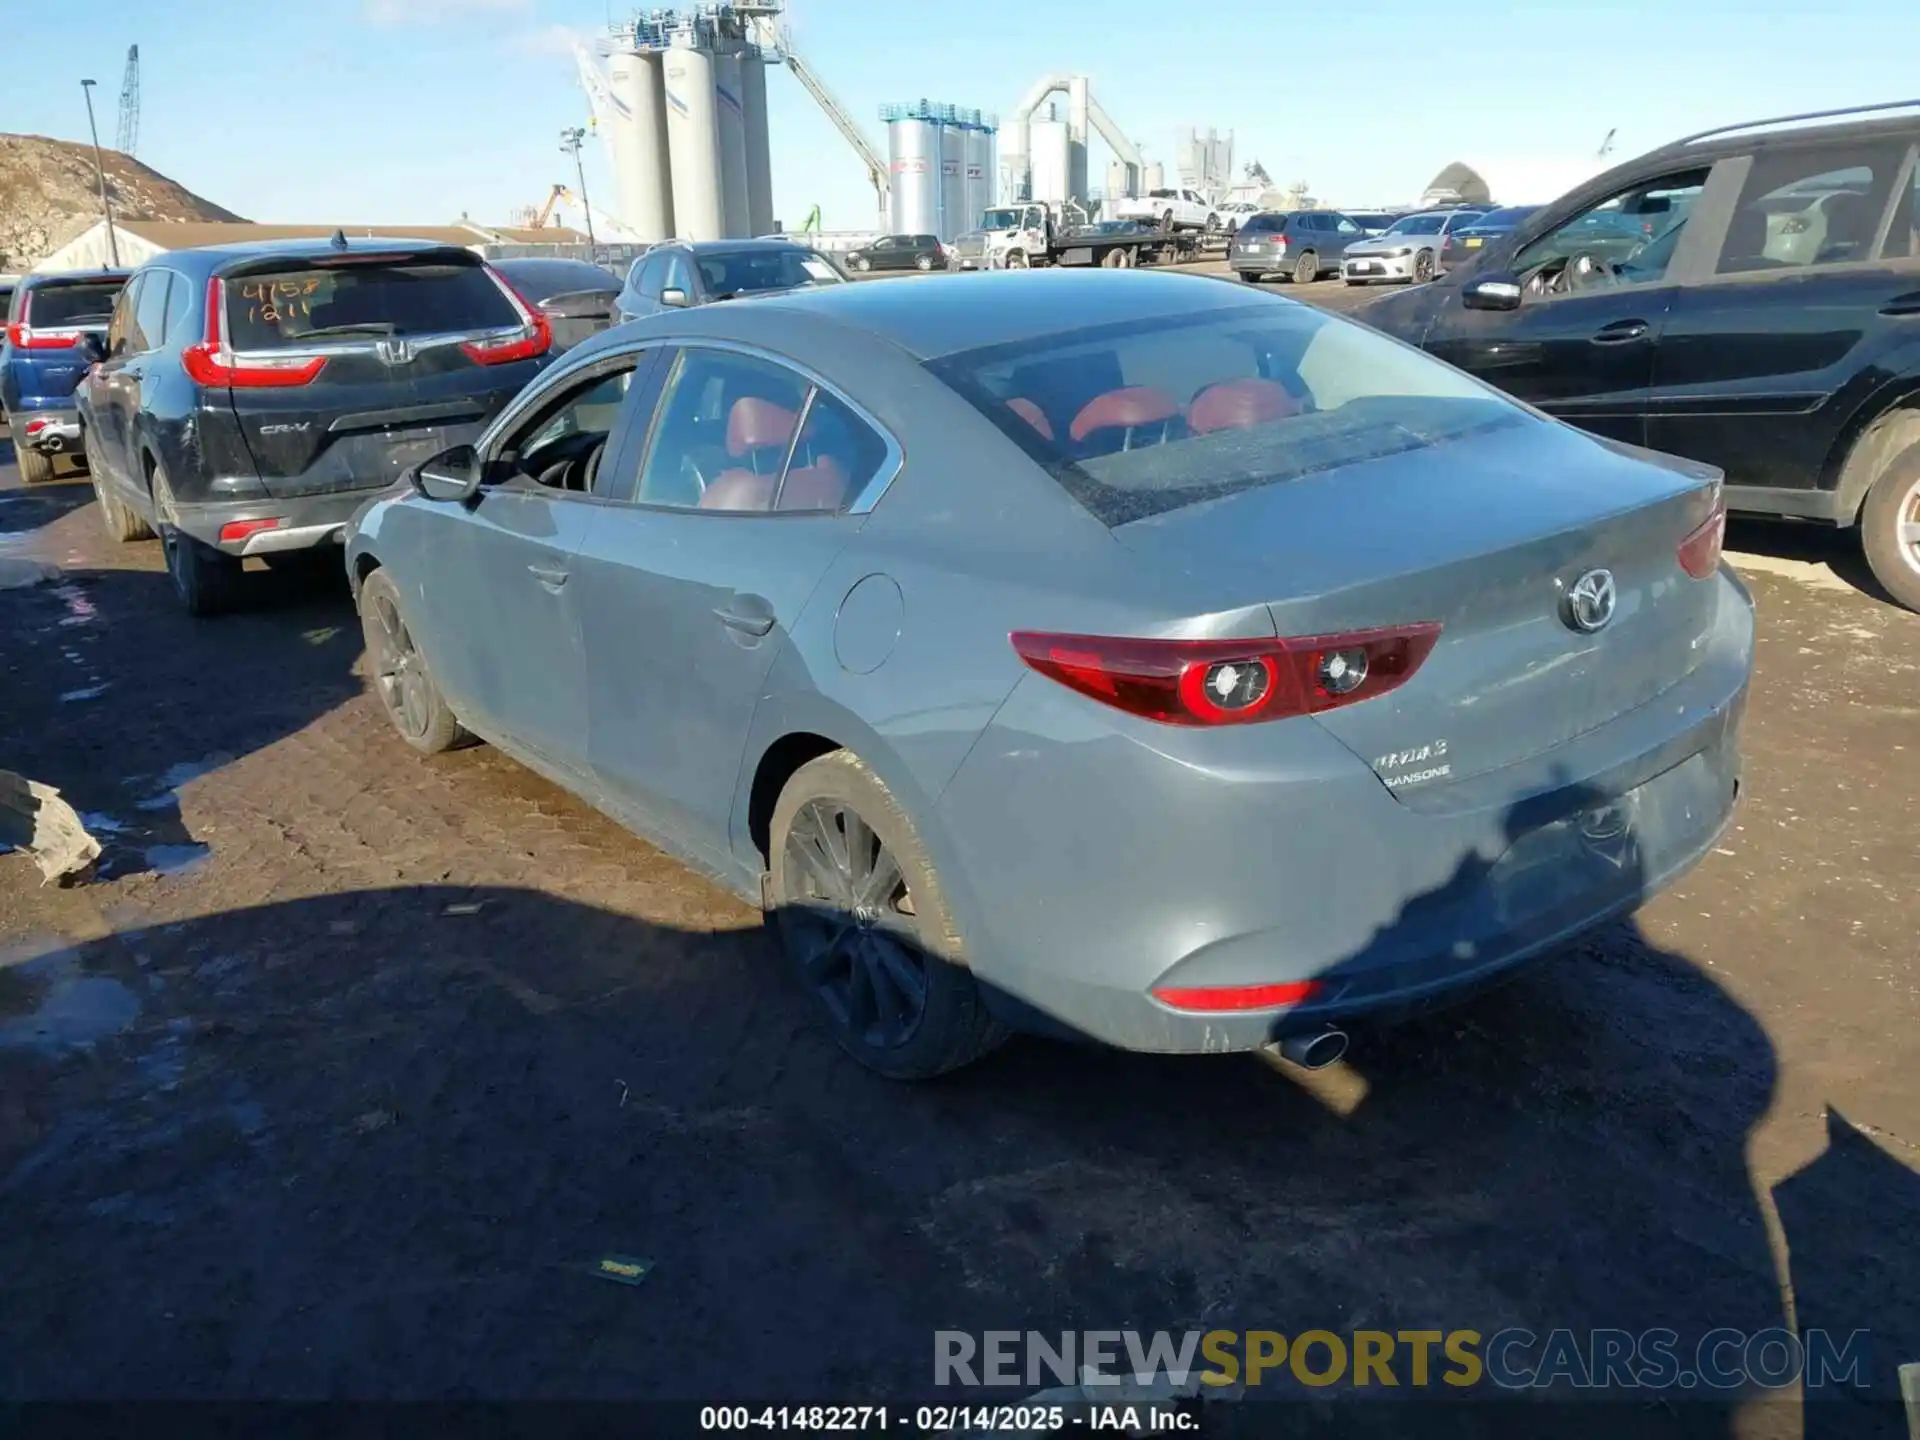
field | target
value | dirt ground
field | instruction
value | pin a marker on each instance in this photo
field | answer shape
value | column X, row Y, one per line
column 350, row 1067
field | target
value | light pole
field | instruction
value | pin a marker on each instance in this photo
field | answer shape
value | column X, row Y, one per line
column 100, row 169
column 570, row 141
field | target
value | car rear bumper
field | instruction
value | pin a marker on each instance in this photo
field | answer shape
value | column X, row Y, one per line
column 1271, row 855
column 303, row 522
column 52, row 430
column 1259, row 262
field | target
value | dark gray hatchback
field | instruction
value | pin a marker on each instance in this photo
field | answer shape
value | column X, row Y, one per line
column 247, row 399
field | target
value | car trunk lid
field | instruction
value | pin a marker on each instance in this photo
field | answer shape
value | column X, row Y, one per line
column 1488, row 536
column 345, row 369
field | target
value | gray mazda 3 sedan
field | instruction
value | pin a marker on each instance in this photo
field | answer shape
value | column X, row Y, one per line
column 1119, row 655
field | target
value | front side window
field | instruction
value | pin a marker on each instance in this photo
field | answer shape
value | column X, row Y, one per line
column 738, row 433
column 1810, row 207
column 562, row 446
column 1632, row 234
column 1134, row 419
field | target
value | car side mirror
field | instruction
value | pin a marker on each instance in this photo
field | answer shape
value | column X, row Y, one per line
column 93, row 346
column 453, row 476
column 673, row 295
column 1495, row 292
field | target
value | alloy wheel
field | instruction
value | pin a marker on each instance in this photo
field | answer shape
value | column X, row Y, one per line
column 398, row 671
column 852, row 925
column 1907, row 527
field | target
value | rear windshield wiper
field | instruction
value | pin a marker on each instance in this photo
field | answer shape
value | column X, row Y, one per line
column 372, row 327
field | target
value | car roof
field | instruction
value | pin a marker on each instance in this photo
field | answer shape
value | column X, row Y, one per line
column 210, row 258
column 708, row 247
column 940, row 316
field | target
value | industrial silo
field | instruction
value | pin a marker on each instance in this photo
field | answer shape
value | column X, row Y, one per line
column 913, row 159
column 954, row 197
column 730, row 116
column 638, row 141
column 753, row 104
column 1078, row 107
column 1156, row 176
column 979, row 188
column 1048, row 147
column 693, row 144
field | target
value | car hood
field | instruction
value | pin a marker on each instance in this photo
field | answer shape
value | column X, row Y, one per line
column 1387, row 244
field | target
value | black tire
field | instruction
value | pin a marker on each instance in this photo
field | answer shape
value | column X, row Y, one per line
column 35, row 468
column 206, row 580
column 1017, row 260
column 1252, row 277
column 923, row 262
column 401, row 681
column 1422, row 266
column 860, row 263
column 1213, row 223
column 1890, row 527
column 1356, row 282
column 943, row 1025
column 1166, row 221
column 122, row 521
column 1306, row 269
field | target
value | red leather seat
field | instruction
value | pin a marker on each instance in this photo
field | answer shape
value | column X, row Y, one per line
column 739, row 490
column 754, row 424
column 1033, row 415
column 819, row 486
column 1238, row 404
column 1126, row 409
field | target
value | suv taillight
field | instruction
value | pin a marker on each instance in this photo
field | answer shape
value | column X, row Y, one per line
column 23, row 336
column 211, row 362
column 535, row 339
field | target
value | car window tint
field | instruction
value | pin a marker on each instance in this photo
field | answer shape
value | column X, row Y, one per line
column 1635, row 231
column 726, row 423
column 561, row 447
column 837, row 454
column 288, row 307
column 181, row 307
column 1145, row 418
column 1817, row 206
column 652, row 276
column 87, row 302
column 1903, row 235
column 122, row 320
column 150, row 312
column 679, row 274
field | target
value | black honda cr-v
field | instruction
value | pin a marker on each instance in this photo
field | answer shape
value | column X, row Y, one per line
column 247, row 399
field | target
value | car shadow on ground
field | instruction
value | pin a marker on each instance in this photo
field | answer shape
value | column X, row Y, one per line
column 83, row 712
column 376, row 1143
column 1822, row 547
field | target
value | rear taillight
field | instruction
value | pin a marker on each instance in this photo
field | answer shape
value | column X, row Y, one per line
column 534, row 340
column 1230, row 682
column 1700, row 552
column 1280, row 243
column 211, row 362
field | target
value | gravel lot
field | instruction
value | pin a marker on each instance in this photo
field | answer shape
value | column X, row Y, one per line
column 283, row 1113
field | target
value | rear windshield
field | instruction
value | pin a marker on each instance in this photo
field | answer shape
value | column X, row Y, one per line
column 537, row 280
column 1137, row 419
column 1263, row 222
column 88, row 302
column 302, row 304
column 746, row 272
column 1418, row 225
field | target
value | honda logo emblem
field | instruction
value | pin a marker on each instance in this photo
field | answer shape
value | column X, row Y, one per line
column 395, row 352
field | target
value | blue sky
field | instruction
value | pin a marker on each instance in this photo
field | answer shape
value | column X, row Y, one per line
column 406, row 111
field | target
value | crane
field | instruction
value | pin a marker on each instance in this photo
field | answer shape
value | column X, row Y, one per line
column 130, row 103
column 538, row 219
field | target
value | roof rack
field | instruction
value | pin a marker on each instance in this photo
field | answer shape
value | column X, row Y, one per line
column 1725, row 130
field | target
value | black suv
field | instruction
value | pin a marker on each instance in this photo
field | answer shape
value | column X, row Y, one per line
column 248, row 398
column 899, row 252
column 1748, row 297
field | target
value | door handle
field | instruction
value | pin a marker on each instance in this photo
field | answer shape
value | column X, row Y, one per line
column 1908, row 304
column 1621, row 332
column 548, row 576
column 749, row 614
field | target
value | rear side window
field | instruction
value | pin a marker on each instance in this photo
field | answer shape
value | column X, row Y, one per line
column 150, row 312
column 271, row 310
column 86, row 302
column 1136, row 419
column 1818, row 206
column 1903, row 235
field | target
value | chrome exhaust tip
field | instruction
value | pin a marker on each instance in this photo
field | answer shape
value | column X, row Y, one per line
column 1312, row 1052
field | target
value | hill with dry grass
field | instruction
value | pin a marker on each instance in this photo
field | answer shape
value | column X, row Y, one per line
column 49, row 194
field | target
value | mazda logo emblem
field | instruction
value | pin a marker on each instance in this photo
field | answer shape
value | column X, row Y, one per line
column 1591, row 600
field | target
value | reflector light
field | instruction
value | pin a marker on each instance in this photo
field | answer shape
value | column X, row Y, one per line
column 1219, row 998
column 236, row 530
